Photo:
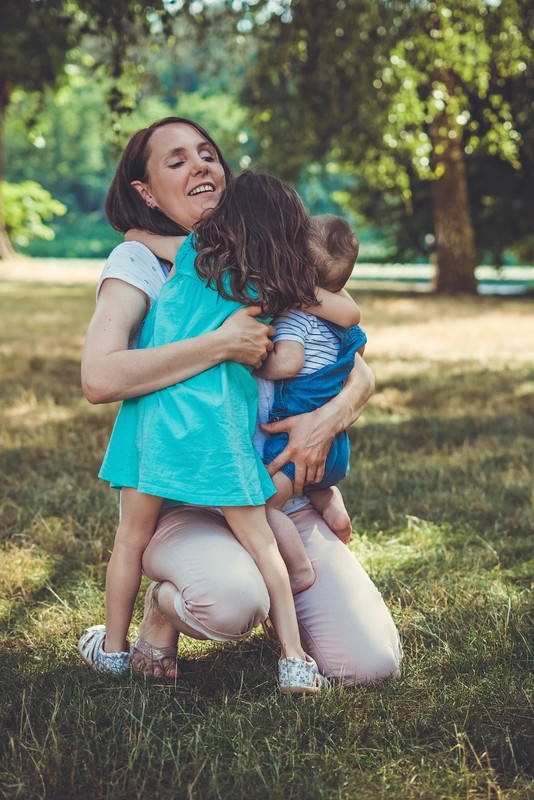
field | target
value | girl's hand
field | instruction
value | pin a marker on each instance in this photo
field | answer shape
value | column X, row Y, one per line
column 247, row 340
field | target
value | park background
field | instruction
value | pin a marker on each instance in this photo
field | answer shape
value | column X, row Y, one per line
column 415, row 121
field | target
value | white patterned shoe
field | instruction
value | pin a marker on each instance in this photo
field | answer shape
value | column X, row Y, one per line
column 300, row 677
column 91, row 648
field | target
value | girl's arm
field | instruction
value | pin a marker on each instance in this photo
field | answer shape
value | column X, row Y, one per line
column 311, row 434
column 163, row 247
column 337, row 307
column 111, row 372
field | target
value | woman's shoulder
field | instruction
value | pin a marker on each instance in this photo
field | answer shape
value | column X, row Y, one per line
column 134, row 263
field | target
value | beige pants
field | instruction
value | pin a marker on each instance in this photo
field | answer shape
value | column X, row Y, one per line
column 344, row 623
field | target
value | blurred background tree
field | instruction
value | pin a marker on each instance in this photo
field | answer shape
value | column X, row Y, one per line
column 28, row 207
column 37, row 37
column 428, row 105
column 415, row 119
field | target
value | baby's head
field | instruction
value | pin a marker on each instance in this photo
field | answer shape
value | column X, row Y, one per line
column 334, row 248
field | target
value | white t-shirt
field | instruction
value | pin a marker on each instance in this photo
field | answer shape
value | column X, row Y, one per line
column 134, row 263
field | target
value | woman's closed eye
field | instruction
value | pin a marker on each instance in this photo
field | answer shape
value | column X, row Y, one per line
column 206, row 155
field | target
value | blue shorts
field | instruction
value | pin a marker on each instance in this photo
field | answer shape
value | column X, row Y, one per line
column 306, row 393
column 337, row 461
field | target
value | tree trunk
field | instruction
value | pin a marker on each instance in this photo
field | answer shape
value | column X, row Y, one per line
column 456, row 259
column 6, row 250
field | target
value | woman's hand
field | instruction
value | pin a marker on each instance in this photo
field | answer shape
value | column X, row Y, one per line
column 310, row 439
column 311, row 434
column 246, row 339
column 110, row 371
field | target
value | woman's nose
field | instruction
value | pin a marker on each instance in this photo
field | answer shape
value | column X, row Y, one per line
column 199, row 166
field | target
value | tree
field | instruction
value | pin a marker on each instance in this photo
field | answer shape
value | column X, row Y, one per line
column 403, row 95
column 67, row 140
column 36, row 37
column 27, row 207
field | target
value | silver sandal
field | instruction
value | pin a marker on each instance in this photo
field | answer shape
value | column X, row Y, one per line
column 156, row 655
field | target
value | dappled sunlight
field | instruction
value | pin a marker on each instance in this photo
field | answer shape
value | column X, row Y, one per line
column 31, row 414
column 71, row 272
column 417, row 542
column 23, row 570
column 486, row 331
column 440, row 496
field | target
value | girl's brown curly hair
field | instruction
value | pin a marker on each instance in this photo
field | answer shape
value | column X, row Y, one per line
column 256, row 241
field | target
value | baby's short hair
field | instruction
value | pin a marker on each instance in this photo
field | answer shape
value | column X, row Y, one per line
column 334, row 247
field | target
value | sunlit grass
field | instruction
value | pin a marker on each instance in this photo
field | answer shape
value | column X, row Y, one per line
column 441, row 498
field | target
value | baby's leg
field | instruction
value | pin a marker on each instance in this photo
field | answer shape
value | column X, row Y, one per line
column 139, row 513
column 299, row 566
column 251, row 529
column 329, row 503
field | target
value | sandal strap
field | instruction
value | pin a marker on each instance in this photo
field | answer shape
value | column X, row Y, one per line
column 154, row 653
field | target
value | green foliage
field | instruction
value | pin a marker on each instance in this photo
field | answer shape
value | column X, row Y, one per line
column 440, row 494
column 380, row 90
column 36, row 37
column 27, row 207
column 73, row 145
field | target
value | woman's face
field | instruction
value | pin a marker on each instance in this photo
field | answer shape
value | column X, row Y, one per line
column 185, row 177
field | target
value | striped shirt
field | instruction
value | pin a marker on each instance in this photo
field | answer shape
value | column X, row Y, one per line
column 320, row 344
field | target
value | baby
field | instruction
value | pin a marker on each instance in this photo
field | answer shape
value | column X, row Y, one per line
column 309, row 365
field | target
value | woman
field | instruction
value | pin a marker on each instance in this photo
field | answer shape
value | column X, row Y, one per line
column 207, row 586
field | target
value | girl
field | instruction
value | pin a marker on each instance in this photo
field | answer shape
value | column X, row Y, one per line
column 192, row 443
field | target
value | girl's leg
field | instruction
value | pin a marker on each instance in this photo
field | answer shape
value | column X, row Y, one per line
column 139, row 513
column 344, row 622
column 301, row 574
column 252, row 530
column 329, row 503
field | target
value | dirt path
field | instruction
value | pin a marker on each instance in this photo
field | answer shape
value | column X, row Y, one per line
column 52, row 270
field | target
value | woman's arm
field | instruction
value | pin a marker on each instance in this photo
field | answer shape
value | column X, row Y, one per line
column 337, row 307
column 111, row 372
column 311, row 434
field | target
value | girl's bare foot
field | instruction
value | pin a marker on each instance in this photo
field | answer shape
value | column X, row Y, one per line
column 154, row 651
column 301, row 579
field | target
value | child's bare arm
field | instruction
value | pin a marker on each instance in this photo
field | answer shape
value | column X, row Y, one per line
column 163, row 247
column 284, row 361
column 337, row 307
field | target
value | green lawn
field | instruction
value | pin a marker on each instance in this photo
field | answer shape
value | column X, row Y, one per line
column 441, row 497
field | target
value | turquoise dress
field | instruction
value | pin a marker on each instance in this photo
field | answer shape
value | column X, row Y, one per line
column 191, row 442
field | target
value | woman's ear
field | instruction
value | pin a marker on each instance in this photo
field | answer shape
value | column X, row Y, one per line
column 145, row 193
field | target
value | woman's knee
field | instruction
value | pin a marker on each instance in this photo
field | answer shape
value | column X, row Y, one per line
column 369, row 668
column 221, row 593
column 226, row 611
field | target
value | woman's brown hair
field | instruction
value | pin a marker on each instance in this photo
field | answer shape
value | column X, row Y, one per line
column 125, row 208
column 256, row 241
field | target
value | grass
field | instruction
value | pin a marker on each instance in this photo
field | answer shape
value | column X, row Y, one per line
column 441, row 498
